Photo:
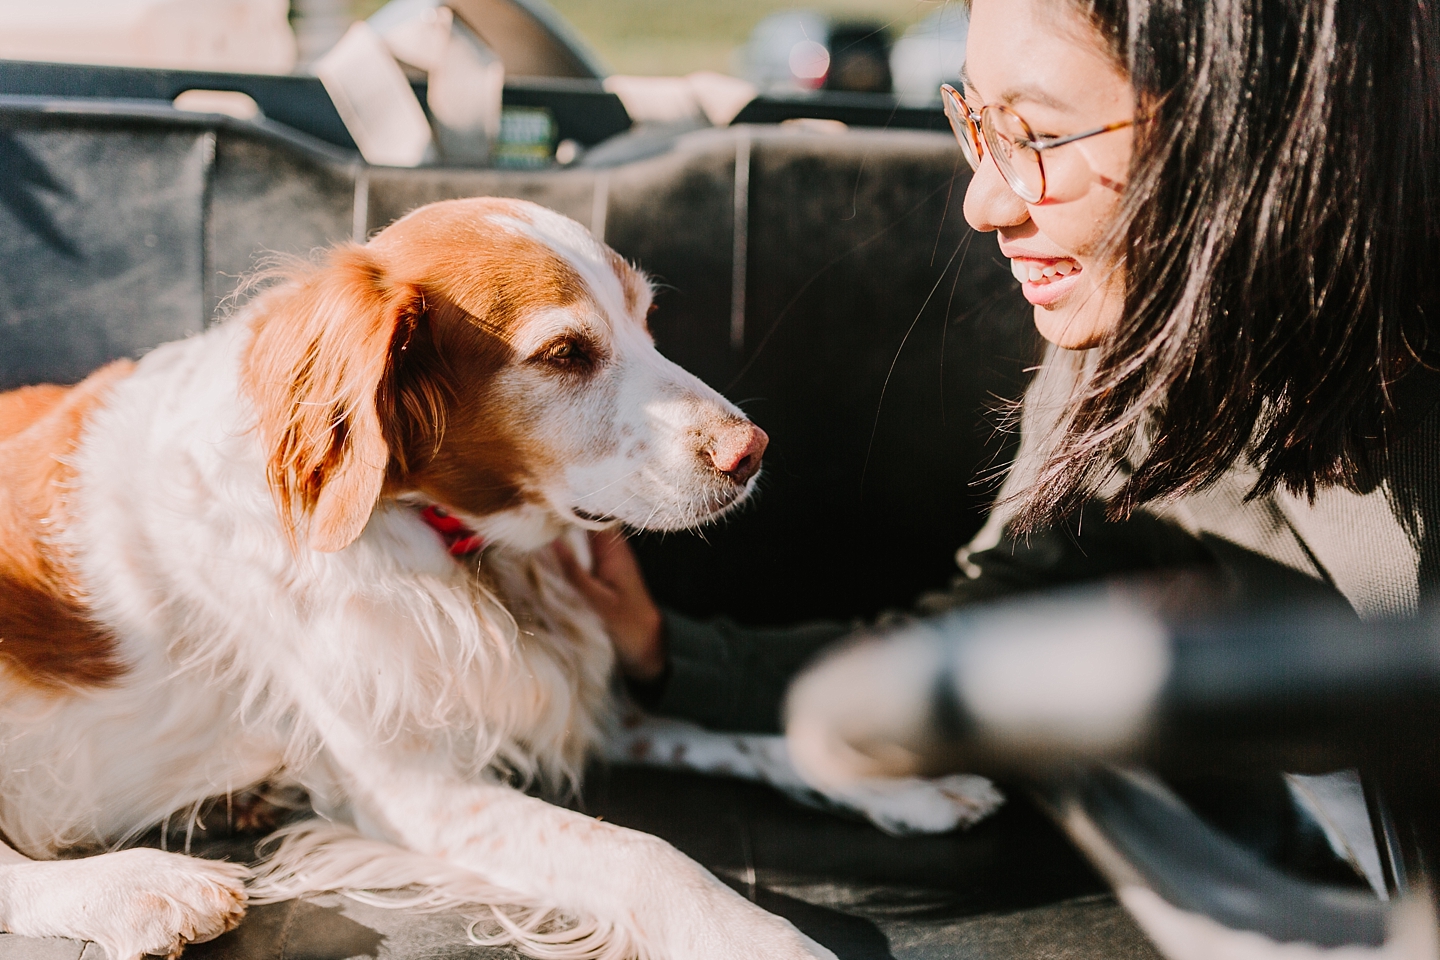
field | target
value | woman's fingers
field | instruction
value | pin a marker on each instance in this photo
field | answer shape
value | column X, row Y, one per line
column 591, row 587
column 616, row 589
column 615, row 562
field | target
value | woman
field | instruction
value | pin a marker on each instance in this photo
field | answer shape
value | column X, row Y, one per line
column 1223, row 213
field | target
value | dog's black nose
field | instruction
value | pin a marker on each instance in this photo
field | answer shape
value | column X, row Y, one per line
column 739, row 450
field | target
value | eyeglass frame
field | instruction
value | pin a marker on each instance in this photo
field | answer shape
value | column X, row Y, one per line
column 974, row 121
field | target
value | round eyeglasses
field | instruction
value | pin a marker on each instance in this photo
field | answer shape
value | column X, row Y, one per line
column 1015, row 149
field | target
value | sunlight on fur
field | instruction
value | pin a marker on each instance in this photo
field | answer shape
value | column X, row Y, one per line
column 244, row 542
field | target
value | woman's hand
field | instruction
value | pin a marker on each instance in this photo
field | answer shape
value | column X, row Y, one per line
column 616, row 589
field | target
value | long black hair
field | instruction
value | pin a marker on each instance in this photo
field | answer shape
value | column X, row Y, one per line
column 1280, row 240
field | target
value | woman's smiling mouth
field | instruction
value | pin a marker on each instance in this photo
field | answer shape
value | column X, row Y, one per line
column 1045, row 281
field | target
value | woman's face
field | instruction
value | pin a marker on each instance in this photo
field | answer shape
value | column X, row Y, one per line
column 1045, row 62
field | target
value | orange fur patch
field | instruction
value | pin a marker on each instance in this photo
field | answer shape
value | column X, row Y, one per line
column 20, row 408
column 369, row 371
column 322, row 350
column 47, row 640
column 461, row 252
column 463, row 453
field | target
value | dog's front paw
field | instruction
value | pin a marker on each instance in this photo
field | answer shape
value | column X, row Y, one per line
column 910, row 805
column 132, row 903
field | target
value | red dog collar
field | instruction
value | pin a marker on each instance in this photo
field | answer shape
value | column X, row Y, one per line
column 459, row 539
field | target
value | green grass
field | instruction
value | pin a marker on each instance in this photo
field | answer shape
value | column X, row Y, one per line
column 360, row 9
column 679, row 36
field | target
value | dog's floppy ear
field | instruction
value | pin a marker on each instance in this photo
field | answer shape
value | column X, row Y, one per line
column 320, row 364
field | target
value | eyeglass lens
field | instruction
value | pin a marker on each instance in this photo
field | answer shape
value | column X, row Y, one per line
column 958, row 115
column 1009, row 139
column 1006, row 136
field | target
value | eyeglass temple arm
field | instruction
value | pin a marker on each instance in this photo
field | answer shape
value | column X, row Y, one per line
column 1061, row 141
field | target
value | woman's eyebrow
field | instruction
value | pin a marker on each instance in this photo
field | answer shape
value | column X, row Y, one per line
column 1031, row 93
column 1023, row 92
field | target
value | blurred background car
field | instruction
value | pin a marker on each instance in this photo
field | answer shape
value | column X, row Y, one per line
column 497, row 83
column 800, row 51
column 645, row 37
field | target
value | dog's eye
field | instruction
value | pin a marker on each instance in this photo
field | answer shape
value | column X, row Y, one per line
column 569, row 354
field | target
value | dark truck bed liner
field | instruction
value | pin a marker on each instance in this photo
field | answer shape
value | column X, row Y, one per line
column 124, row 223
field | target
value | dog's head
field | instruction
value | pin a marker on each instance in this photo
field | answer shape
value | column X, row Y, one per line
column 491, row 357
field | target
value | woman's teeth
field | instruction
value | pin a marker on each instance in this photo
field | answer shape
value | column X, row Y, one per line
column 1034, row 272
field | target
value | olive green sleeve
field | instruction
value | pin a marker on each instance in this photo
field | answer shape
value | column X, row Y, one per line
column 729, row 677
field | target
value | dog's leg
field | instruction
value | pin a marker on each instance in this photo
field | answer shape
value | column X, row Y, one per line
column 131, row 902
column 646, row 892
column 901, row 806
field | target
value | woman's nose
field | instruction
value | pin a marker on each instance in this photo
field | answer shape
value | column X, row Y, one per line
column 990, row 204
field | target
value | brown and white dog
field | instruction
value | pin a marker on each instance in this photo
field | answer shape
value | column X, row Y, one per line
column 256, row 555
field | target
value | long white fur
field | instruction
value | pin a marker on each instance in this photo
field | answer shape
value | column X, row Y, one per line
column 404, row 691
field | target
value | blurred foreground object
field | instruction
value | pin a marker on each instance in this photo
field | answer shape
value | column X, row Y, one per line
column 229, row 103
column 528, row 36
column 700, row 98
column 1199, row 895
column 241, row 36
column 1103, row 675
column 788, row 52
column 1055, row 690
column 318, row 25
column 930, row 53
column 859, row 57
column 364, row 77
column 800, row 51
column 531, row 39
column 374, row 99
column 465, row 79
